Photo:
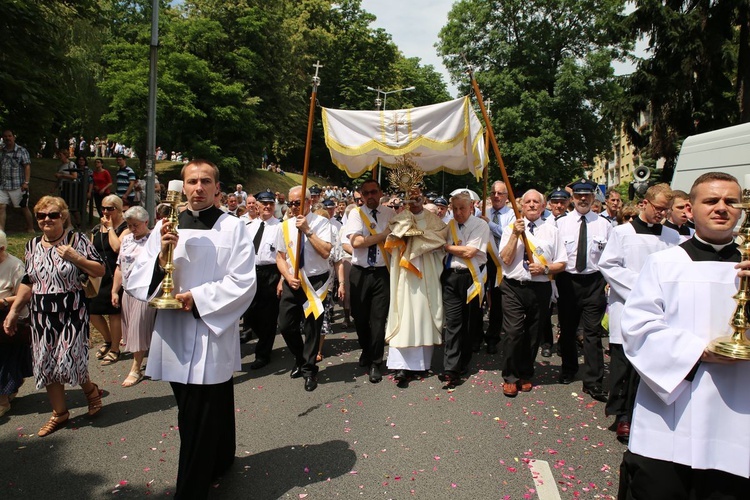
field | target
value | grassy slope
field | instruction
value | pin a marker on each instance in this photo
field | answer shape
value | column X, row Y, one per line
column 43, row 182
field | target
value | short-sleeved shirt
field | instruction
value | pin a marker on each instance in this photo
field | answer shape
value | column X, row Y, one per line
column 315, row 265
column 124, row 178
column 101, row 179
column 12, row 164
column 47, row 272
column 129, row 251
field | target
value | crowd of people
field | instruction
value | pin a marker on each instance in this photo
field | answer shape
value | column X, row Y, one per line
column 412, row 271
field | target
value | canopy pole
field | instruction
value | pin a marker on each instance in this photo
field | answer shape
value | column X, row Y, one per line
column 501, row 164
column 308, row 147
column 486, row 173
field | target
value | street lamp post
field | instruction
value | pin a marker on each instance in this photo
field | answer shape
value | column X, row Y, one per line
column 378, row 101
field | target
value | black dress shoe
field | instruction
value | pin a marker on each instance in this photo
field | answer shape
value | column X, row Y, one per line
column 246, row 336
column 258, row 363
column 546, row 351
column 400, row 376
column 491, row 349
column 311, row 383
column 448, row 377
column 597, row 393
column 296, row 372
column 566, row 379
column 375, row 375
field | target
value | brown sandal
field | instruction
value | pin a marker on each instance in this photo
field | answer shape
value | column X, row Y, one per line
column 94, row 397
column 55, row 422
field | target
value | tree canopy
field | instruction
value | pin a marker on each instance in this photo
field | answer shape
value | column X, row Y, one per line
column 546, row 65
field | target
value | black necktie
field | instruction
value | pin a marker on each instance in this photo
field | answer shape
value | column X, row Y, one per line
column 582, row 246
column 372, row 250
column 302, row 250
column 258, row 236
column 531, row 227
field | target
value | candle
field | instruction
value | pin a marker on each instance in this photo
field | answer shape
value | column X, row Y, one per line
column 177, row 186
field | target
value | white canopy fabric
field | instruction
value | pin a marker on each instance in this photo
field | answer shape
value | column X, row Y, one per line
column 446, row 136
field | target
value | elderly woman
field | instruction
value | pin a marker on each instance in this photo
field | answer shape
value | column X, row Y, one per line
column 56, row 262
column 107, row 238
column 137, row 317
column 15, row 357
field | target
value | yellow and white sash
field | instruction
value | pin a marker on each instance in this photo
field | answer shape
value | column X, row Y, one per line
column 494, row 254
column 315, row 298
column 479, row 277
column 372, row 228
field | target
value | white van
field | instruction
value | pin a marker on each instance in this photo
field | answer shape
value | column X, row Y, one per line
column 725, row 150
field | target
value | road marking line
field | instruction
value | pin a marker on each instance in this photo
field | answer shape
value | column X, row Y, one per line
column 546, row 486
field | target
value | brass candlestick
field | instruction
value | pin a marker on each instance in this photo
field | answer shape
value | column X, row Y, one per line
column 167, row 300
column 737, row 345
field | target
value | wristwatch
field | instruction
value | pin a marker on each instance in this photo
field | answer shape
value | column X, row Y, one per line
column 309, row 233
column 546, row 270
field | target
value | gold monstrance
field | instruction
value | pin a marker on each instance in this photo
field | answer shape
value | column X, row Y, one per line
column 737, row 345
column 167, row 300
column 406, row 177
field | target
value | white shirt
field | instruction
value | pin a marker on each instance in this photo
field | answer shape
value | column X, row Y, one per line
column 475, row 233
column 266, row 253
column 315, row 265
column 546, row 239
column 628, row 248
column 597, row 232
column 355, row 225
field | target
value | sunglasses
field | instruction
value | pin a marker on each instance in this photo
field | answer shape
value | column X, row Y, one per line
column 294, row 203
column 51, row 215
column 108, row 209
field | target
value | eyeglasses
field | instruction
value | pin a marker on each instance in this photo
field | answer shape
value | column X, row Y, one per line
column 500, row 193
column 108, row 209
column 266, row 203
column 657, row 209
column 51, row 215
column 368, row 193
column 627, row 217
column 294, row 203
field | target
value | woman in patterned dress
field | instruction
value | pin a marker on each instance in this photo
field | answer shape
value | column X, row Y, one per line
column 137, row 316
column 55, row 263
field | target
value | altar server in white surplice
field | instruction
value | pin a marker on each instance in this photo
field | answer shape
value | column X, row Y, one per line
column 622, row 259
column 689, row 435
column 197, row 348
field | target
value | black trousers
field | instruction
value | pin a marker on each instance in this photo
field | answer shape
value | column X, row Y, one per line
column 526, row 307
column 643, row 478
column 548, row 338
column 205, row 414
column 623, row 384
column 263, row 313
column 495, row 326
column 457, row 319
column 370, row 296
column 291, row 315
column 582, row 300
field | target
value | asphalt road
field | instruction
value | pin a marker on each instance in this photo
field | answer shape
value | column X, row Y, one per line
column 347, row 439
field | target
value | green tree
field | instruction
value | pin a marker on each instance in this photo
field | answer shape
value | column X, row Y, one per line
column 546, row 66
column 691, row 82
column 37, row 64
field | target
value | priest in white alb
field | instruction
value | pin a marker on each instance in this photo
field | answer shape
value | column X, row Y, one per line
column 415, row 315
